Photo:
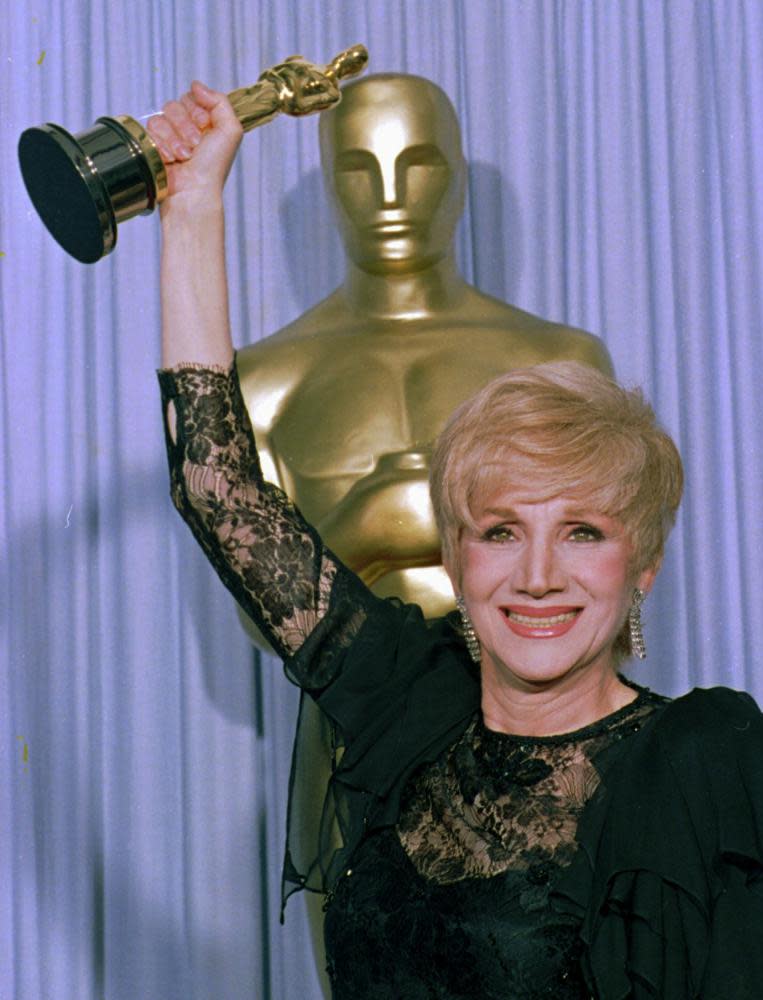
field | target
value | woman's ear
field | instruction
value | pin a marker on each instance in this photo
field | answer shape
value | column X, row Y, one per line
column 646, row 577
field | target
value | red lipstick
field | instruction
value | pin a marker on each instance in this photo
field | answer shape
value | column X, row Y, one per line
column 533, row 622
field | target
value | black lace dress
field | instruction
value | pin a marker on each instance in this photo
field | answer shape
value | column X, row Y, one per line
column 448, row 853
column 455, row 900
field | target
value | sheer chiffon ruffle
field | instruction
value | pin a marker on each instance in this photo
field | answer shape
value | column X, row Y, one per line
column 668, row 881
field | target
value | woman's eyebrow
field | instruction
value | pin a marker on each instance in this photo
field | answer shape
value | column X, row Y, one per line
column 566, row 514
column 506, row 512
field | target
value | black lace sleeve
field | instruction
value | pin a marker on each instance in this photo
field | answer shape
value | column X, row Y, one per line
column 385, row 686
column 264, row 551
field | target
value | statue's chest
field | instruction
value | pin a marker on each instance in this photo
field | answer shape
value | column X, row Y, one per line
column 355, row 405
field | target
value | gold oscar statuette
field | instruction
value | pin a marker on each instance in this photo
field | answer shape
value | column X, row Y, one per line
column 83, row 185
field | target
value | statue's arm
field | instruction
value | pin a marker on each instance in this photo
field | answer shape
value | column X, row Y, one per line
column 593, row 351
column 601, row 359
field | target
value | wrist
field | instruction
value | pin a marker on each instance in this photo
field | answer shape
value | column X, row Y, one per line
column 190, row 209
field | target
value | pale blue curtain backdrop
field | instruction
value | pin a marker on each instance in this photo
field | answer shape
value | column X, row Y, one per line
column 616, row 152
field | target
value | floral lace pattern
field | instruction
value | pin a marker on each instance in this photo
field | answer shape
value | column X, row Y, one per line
column 497, row 801
column 267, row 555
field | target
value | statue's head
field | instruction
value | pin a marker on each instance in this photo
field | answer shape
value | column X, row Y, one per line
column 391, row 153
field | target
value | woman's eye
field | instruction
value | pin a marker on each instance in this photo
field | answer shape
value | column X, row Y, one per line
column 499, row 533
column 585, row 533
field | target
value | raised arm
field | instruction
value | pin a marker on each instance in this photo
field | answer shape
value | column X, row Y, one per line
column 273, row 562
column 198, row 137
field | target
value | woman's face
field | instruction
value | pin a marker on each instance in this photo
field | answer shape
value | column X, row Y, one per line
column 548, row 586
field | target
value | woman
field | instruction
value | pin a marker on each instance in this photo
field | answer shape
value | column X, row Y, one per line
column 506, row 816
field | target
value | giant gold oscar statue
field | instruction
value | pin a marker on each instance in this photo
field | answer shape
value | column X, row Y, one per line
column 364, row 380
column 347, row 399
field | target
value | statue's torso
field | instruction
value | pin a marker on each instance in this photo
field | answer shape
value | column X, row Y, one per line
column 345, row 410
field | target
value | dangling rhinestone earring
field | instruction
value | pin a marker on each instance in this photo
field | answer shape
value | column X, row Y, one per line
column 470, row 636
column 634, row 623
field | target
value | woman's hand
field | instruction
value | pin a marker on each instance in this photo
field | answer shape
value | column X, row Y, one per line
column 198, row 137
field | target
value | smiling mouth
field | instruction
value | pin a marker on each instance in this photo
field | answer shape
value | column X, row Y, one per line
column 541, row 623
column 566, row 616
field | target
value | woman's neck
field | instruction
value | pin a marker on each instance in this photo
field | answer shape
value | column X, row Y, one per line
column 573, row 702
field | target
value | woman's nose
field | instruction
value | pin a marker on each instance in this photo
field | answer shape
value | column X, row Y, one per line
column 539, row 571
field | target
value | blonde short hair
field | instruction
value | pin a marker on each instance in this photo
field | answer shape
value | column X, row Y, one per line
column 561, row 428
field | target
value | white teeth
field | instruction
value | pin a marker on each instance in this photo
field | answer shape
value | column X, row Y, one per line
column 542, row 622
